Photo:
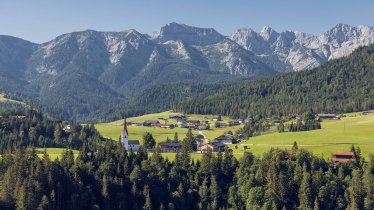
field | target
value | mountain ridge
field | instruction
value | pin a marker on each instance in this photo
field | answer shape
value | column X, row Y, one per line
column 120, row 65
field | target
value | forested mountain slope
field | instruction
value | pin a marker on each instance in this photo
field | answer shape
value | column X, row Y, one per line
column 342, row 85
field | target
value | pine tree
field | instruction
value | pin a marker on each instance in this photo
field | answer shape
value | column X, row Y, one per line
column 147, row 203
column 356, row 193
column 204, row 195
column 305, row 194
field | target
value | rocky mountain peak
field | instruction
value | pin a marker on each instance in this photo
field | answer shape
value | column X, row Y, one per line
column 190, row 35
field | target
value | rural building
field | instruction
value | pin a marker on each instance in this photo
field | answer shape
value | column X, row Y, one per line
column 128, row 144
column 342, row 157
column 169, row 146
column 202, row 127
column 327, row 117
column 214, row 147
column 182, row 124
column 221, row 124
column 225, row 139
column 150, row 122
column 136, row 123
column 168, row 126
column 368, row 112
column 177, row 117
column 234, row 123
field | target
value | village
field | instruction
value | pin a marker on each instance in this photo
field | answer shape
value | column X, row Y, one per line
column 217, row 144
column 203, row 144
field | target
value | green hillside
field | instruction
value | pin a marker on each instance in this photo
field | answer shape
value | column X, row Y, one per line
column 335, row 135
column 112, row 130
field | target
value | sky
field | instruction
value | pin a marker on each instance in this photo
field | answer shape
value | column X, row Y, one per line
column 42, row 20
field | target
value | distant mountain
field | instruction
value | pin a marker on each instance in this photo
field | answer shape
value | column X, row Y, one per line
column 76, row 74
column 338, row 86
column 297, row 51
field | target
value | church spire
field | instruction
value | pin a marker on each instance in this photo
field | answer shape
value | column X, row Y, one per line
column 124, row 129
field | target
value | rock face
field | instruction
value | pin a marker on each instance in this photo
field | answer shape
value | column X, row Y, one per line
column 68, row 72
column 295, row 51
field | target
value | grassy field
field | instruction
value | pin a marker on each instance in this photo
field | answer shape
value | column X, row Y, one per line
column 4, row 99
column 112, row 130
column 335, row 135
column 54, row 153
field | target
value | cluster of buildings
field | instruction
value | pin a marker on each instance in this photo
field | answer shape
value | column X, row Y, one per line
column 202, row 142
column 183, row 122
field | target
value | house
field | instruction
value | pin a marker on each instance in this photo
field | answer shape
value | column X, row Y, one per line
column 214, row 147
column 177, row 117
column 169, row 146
column 20, row 117
column 234, row 123
column 299, row 117
column 200, row 139
column 168, row 126
column 66, row 128
column 368, row 112
column 150, row 122
column 182, row 124
column 225, row 139
column 156, row 125
column 136, row 123
column 215, row 120
column 242, row 137
column 342, row 157
column 221, row 124
column 327, row 117
column 202, row 127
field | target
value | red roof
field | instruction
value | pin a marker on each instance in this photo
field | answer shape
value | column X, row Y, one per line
column 343, row 153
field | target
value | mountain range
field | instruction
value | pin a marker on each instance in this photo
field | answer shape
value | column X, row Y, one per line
column 78, row 73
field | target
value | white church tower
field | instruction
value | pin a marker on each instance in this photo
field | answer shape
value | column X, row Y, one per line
column 125, row 136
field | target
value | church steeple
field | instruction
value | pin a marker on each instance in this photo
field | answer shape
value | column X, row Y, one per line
column 125, row 135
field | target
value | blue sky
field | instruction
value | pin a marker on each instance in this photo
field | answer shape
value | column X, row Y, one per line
column 42, row 20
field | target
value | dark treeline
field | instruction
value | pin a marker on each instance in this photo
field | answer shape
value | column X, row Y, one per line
column 105, row 176
column 111, row 178
column 342, row 85
column 19, row 128
column 159, row 98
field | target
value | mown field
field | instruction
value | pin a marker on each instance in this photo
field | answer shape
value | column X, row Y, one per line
column 112, row 130
column 335, row 135
column 54, row 153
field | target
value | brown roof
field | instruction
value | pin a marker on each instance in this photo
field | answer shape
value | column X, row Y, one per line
column 134, row 142
column 343, row 153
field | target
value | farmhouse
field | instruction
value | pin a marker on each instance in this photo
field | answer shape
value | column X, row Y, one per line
column 169, row 126
column 150, row 122
column 225, row 139
column 368, row 112
column 182, row 124
column 234, row 123
column 327, row 117
column 221, row 124
column 214, row 147
column 177, row 117
column 169, row 146
column 342, row 157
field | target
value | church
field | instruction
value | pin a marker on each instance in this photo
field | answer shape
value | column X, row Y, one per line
column 128, row 144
